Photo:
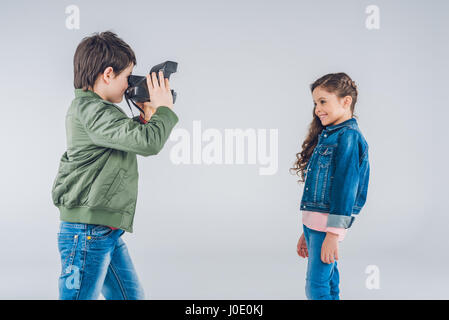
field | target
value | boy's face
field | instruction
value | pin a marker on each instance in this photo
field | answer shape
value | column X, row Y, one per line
column 115, row 85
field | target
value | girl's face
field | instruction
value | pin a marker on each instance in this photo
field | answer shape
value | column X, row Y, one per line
column 331, row 109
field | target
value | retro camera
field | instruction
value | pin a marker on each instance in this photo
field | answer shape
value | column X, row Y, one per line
column 137, row 85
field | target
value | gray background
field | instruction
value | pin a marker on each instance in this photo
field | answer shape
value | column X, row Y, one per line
column 224, row 231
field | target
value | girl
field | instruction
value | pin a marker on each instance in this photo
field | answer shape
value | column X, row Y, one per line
column 334, row 167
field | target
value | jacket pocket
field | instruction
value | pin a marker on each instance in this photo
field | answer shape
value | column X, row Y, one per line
column 325, row 156
column 323, row 183
column 105, row 186
column 115, row 185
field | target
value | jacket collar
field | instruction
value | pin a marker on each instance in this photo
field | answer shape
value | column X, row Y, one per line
column 81, row 93
column 348, row 123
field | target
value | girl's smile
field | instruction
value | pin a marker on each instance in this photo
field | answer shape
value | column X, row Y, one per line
column 322, row 117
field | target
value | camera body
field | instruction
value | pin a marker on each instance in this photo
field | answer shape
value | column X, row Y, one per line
column 137, row 85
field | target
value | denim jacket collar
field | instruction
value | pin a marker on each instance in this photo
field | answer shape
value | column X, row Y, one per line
column 348, row 123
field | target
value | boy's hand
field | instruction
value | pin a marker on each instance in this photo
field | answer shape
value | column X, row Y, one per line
column 160, row 93
column 301, row 248
column 148, row 108
column 329, row 248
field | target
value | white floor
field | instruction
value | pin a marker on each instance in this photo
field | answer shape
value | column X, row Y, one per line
column 247, row 277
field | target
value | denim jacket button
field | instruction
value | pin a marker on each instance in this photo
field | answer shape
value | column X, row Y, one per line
column 325, row 135
column 307, row 188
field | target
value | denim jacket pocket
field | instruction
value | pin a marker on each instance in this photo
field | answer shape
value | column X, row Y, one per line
column 325, row 156
column 323, row 176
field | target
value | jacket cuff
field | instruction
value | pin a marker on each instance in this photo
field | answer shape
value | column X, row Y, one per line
column 338, row 231
column 142, row 119
column 339, row 221
column 168, row 111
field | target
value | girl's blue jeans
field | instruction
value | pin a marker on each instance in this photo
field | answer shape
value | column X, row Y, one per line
column 94, row 259
column 322, row 279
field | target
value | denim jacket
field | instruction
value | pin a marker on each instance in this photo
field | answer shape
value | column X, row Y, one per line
column 337, row 174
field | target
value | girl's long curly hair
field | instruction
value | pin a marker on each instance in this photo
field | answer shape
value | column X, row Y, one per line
column 341, row 85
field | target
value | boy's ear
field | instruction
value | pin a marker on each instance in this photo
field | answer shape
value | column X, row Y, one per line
column 108, row 74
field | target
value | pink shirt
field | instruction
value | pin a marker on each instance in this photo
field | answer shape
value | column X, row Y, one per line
column 142, row 119
column 318, row 221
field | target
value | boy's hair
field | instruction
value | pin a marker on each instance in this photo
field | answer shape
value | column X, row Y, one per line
column 97, row 52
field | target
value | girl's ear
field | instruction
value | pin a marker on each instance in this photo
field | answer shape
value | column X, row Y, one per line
column 347, row 102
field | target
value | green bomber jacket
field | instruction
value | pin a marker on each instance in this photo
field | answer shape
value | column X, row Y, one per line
column 97, row 178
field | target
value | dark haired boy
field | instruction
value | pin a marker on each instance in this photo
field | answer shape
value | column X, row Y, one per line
column 96, row 185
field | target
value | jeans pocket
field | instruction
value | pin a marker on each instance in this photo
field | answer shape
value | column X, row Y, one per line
column 67, row 244
column 101, row 232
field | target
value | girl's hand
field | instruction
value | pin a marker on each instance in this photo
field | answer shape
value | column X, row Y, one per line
column 301, row 248
column 329, row 249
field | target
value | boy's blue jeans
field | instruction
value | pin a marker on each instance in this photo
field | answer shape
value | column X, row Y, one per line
column 94, row 259
column 322, row 279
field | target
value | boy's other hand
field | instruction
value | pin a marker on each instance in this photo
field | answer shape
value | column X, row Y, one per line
column 148, row 108
column 160, row 93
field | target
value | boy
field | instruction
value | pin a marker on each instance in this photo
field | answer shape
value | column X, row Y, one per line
column 96, row 185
